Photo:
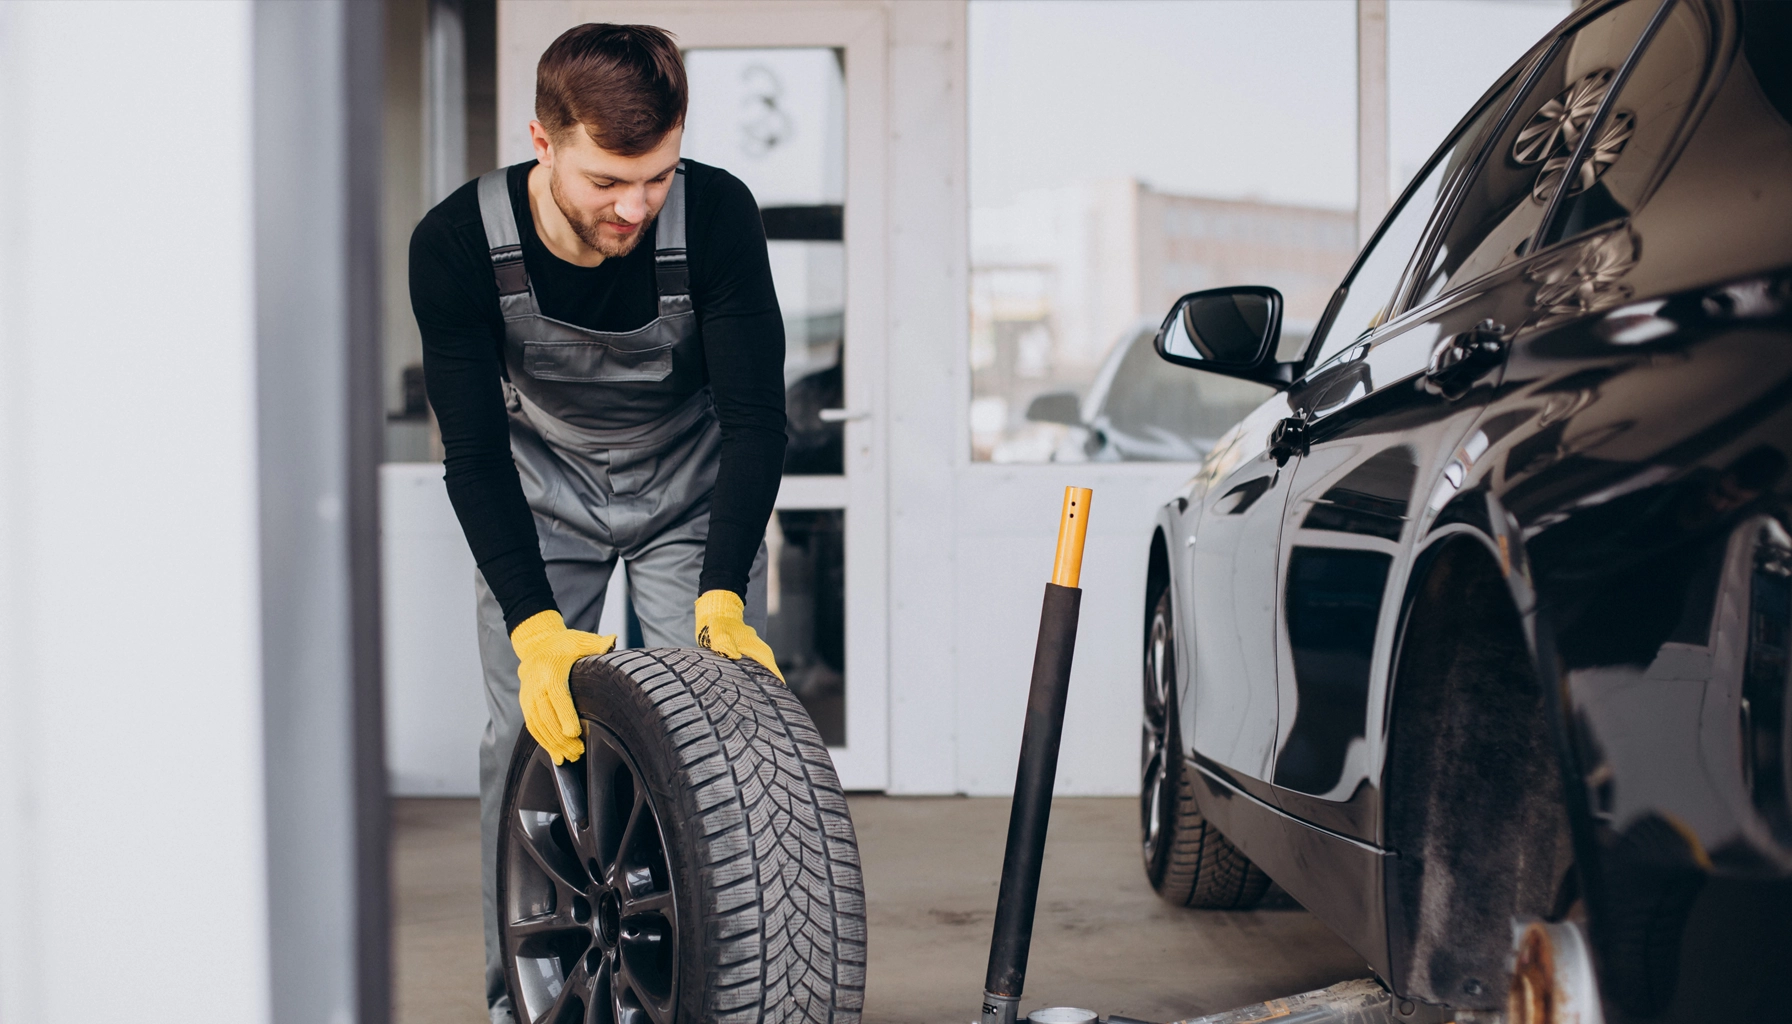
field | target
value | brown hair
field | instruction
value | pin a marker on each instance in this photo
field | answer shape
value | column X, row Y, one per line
column 624, row 84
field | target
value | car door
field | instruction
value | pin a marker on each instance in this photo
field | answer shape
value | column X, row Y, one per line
column 1234, row 551
column 1229, row 560
column 1393, row 424
column 1388, row 439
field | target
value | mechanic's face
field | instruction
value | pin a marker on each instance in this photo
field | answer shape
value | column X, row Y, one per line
column 609, row 199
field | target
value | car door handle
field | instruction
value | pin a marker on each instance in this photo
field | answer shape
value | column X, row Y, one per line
column 844, row 415
column 1460, row 358
column 1288, row 439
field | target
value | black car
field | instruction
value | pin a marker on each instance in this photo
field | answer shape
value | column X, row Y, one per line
column 1476, row 636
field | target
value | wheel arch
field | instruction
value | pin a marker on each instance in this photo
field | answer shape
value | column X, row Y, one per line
column 1157, row 573
column 1472, row 793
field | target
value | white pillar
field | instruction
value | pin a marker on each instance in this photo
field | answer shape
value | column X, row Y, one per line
column 445, row 98
column 191, row 795
column 928, row 387
column 1372, row 189
column 133, row 884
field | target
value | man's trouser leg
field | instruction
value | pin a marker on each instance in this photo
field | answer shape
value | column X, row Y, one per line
column 662, row 586
column 579, row 591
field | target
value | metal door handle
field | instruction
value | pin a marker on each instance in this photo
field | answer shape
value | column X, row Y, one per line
column 1288, row 439
column 844, row 415
column 1464, row 355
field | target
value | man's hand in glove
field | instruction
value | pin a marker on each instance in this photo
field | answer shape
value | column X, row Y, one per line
column 721, row 629
column 548, row 649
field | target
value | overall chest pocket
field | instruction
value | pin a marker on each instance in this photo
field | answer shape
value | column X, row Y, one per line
column 588, row 362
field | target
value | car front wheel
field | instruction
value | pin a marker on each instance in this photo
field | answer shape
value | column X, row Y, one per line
column 1187, row 860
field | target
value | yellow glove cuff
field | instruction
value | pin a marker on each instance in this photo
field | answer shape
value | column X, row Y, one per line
column 717, row 604
column 533, row 628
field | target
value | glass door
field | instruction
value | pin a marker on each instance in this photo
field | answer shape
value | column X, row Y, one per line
column 776, row 118
column 790, row 105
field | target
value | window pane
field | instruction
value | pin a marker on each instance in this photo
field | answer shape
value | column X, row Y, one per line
column 1647, row 116
column 776, row 119
column 1433, row 79
column 1504, row 204
column 1195, row 145
column 806, row 606
column 1370, row 297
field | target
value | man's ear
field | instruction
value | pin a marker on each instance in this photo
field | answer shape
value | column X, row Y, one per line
column 544, row 148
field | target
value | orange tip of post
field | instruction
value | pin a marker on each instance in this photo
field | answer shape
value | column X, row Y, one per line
column 1073, row 528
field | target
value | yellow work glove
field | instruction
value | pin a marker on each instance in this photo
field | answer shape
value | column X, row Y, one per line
column 721, row 629
column 548, row 649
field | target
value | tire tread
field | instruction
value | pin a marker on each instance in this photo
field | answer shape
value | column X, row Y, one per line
column 1205, row 870
column 775, row 847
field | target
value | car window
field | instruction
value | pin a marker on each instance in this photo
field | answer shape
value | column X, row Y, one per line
column 1645, row 121
column 1505, row 201
column 1369, row 294
column 1158, row 410
column 1766, row 39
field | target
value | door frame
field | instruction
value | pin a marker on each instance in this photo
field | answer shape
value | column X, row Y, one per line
column 860, row 28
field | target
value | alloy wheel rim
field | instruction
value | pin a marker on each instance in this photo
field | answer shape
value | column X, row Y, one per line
column 590, row 922
column 1154, row 735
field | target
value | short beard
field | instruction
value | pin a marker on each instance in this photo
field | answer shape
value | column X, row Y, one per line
column 590, row 232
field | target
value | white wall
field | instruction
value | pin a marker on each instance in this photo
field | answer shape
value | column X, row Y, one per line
column 969, row 545
column 132, row 883
column 435, row 703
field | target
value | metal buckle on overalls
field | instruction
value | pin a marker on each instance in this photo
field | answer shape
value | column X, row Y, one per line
column 671, row 272
column 507, row 264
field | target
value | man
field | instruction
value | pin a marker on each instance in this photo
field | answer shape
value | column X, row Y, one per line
column 604, row 353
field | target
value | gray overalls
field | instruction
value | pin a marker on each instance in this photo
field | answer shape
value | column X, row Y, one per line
column 617, row 443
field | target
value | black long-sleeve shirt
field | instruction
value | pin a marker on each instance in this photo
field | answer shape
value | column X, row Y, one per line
column 455, row 298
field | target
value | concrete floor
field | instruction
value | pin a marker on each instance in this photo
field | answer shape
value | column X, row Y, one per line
column 1102, row 939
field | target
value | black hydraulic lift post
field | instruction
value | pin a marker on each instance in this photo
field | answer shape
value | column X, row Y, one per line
column 1019, row 893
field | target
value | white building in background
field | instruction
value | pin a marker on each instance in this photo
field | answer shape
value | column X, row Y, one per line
column 1057, row 275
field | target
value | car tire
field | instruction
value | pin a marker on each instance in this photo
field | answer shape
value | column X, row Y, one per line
column 696, row 865
column 1187, row 860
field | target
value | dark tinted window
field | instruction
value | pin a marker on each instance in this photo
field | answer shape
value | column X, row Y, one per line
column 1370, row 294
column 1504, row 203
column 1766, row 39
column 1640, row 133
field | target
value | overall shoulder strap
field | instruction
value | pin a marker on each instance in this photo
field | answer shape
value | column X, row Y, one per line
column 505, row 242
column 671, row 269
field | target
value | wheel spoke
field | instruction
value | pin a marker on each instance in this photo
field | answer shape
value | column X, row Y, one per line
column 561, row 920
column 565, row 877
column 577, row 985
column 653, row 903
column 644, row 1006
column 647, row 959
column 615, row 873
column 1151, row 785
column 1153, row 810
column 1154, row 765
column 569, row 787
column 602, row 1007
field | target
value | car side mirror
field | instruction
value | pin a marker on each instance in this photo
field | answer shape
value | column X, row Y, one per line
column 1231, row 331
column 1056, row 407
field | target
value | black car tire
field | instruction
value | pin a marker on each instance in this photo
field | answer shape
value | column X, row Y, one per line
column 1187, row 860
column 696, row 865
